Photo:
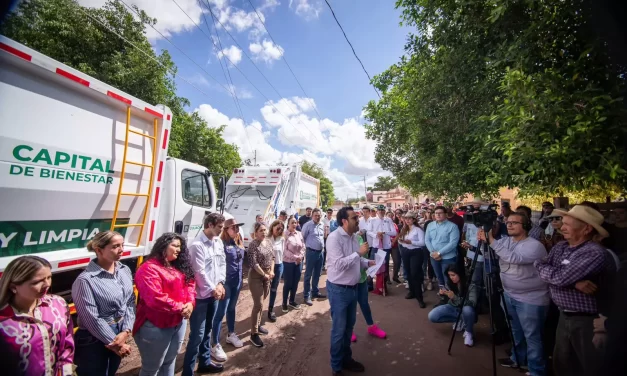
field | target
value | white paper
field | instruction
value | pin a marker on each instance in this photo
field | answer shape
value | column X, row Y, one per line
column 379, row 258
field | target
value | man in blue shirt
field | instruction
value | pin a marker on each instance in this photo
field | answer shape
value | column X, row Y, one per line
column 313, row 233
column 442, row 237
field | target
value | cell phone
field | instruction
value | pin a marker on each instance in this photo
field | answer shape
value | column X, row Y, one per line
column 364, row 237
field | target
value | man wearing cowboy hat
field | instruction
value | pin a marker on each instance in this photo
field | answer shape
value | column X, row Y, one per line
column 574, row 269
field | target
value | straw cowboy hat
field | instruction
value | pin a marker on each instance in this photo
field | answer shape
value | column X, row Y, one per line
column 410, row 214
column 585, row 214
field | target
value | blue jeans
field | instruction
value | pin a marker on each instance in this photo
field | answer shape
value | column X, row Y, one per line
column 343, row 301
column 159, row 347
column 92, row 357
column 362, row 299
column 226, row 305
column 401, row 249
column 291, row 276
column 527, row 327
column 448, row 313
column 278, row 271
column 200, row 327
column 312, row 273
column 439, row 267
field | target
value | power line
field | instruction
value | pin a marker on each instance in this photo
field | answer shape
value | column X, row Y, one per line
column 285, row 61
column 260, row 72
column 351, row 45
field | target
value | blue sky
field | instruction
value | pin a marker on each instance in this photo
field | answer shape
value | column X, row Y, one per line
column 285, row 128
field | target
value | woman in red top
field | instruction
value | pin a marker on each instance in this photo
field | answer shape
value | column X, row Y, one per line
column 167, row 293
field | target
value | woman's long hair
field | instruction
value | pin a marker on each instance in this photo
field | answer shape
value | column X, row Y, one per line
column 455, row 287
column 272, row 226
column 226, row 238
column 182, row 262
column 20, row 270
column 405, row 229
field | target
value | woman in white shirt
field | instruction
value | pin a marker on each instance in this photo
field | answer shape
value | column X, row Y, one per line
column 278, row 244
column 412, row 237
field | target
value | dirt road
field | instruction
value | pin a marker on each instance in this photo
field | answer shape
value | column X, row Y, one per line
column 298, row 343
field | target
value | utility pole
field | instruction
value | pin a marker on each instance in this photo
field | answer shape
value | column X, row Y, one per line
column 365, row 189
column 255, row 151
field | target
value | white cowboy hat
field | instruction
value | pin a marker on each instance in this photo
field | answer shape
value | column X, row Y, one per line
column 585, row 214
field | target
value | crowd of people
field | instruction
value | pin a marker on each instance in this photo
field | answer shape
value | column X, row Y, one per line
column 559, row 277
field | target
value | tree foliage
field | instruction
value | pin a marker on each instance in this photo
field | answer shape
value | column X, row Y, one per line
column 500, row 93
column 327, row 195
column 385, row 183
column 60, row 29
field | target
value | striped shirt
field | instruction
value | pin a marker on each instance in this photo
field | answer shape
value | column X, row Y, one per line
column 102, row 298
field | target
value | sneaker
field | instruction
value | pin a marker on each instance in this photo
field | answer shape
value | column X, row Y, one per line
column 353, row 338
column 507, row 362
column 430, row 286
column 262, row 330
column 234, row 340
column 459, row 326
column 309, row 302
column 320, row 296
column 468, row 339
column 272, row 316
column 218, row 354
column 375, row 331
column 293, row 305
column 256, row 340
column 284, row 308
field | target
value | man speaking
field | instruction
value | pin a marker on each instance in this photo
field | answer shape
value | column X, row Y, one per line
column 344, row 263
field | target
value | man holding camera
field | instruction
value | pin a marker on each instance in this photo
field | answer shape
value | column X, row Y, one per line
column 526, row 295
column 470, row 243
column 345, row 259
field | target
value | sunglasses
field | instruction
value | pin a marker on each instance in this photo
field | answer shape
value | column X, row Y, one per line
column 556, row 218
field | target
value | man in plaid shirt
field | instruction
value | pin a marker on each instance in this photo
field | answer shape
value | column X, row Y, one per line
column 576, row 270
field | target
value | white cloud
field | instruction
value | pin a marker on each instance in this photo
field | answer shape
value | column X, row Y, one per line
column 266, row 51
column 170, row 19
column 308, row 9
column 233, row 53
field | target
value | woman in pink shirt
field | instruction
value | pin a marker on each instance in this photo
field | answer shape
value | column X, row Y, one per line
column 293, row 255
column 167, row 293
column 35, row 327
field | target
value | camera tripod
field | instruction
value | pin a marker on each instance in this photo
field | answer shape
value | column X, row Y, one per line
column 491, row 286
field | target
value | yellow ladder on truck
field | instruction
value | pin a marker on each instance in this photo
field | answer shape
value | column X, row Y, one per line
column 141, row 225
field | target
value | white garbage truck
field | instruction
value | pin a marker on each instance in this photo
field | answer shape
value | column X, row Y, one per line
column 78, row 156
column 267, row 191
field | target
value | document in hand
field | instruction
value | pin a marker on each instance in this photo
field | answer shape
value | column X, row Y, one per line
column 379, row 258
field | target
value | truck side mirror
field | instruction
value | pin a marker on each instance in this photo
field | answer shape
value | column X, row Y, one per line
column 178, row 227
column 220, row 206
column 222, row 184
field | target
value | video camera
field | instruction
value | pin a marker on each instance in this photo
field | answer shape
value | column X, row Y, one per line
column 486, row 215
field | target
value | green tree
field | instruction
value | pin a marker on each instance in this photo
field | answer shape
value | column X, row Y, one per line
column 60, row 29
column 500, row 93
column 385, row 183
column 327, row 195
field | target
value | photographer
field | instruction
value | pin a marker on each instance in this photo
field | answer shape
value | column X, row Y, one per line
column 526, row 295
column 470, row 243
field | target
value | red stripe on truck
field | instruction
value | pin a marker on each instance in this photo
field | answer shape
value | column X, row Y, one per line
column 72, row 77
column 157, row 197
column 160, row 171
column 165, row 139
column 74, row 262
column 152, row 229
column 169, row 117
column 118, row 97
column 15, row 52
column 153, row 112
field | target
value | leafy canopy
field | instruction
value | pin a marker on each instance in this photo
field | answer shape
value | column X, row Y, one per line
column 495, row 93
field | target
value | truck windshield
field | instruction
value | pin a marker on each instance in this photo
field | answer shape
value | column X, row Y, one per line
column 195, row 189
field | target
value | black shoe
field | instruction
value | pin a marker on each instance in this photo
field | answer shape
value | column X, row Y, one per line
column 271, row 316
column 256, row 340
column 508, row 363
column 284, row 309
column 309, row 302
column 396, row 280
column 211, row 368
column 320, row 296
column 293, row 305
column 422, row 304
column 409, row 296
column 353, row 366
column 262, row 330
